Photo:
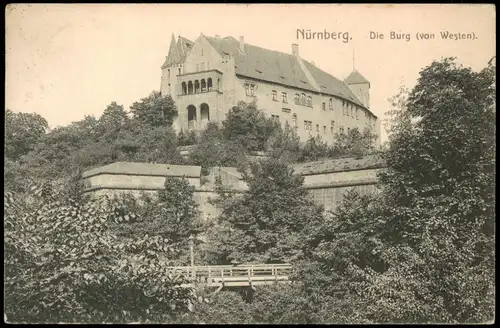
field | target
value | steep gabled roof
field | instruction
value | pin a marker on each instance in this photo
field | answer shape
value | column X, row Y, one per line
column 355, row 78
column 281, row 68
column 177, row 51
column 331, row 85
column 184, row 45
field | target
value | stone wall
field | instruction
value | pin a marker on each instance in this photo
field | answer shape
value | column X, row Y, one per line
column 327, row 181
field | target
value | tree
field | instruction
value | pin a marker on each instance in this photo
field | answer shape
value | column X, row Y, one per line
column 22, row 132
column 155, row 110
column 284, row 144
column 441, row 180
column 225, row 307
column 314, row 149
column 248, row 126
column 187, row 139
column 174, row 216
column 424, row 246
column 263, row 225
column 63, row 263
column 113, row 119
column 214, row 150
column 355, row 143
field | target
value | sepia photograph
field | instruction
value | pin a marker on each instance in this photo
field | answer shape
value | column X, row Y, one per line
column 249, row 164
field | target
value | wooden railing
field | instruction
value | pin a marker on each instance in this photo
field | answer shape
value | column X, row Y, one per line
column 241, row 275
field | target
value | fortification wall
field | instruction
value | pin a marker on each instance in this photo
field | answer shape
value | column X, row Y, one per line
column 327, row 181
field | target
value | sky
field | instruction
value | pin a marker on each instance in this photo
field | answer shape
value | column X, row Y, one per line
column 65, row 61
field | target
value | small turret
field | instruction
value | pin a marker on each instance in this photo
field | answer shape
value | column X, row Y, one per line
column 360, row 86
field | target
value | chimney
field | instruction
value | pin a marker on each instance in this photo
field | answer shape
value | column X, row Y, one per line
column 295, row 49
column 242, row 44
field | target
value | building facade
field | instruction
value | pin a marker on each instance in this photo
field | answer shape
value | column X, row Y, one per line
column 209, row 76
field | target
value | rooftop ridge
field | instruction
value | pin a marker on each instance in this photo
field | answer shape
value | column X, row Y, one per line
column 273, row 65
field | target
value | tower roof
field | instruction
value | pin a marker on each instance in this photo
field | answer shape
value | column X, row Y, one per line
column 355, row 78
column 177, row 51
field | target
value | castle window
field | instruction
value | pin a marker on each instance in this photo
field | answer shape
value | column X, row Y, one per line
column 352, row 111
column 203, row 85
column 275, row 118
column 307, row 125
column 332, row 127
column 341, row 130
column 297, row 99
column 286, row 110
column 168, row 73
column 294, row 118
column 324, row 129
column 343, row 107
column 202, row 66
column 309, row 101
column 330, row 105
column 209, row 84
column 208, row 66
column 317, row 127
column 197, row 67
column 357, row 113
column 348, row 130
column 202, row 52
column 184, row 88
column 284, row 97
column 275, row 95
column 179, row 71
column 323, row 106
column 303, row 99
column 250, row 89
column 196, row 86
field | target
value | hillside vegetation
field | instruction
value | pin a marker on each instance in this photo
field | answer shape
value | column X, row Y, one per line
column 419, row 251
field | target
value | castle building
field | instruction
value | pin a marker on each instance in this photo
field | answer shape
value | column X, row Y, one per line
column 209, row 76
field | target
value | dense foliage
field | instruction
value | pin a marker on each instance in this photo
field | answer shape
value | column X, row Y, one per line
column 420, row 250
column 425, row 245
column 65, row 263
column 264, row 224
